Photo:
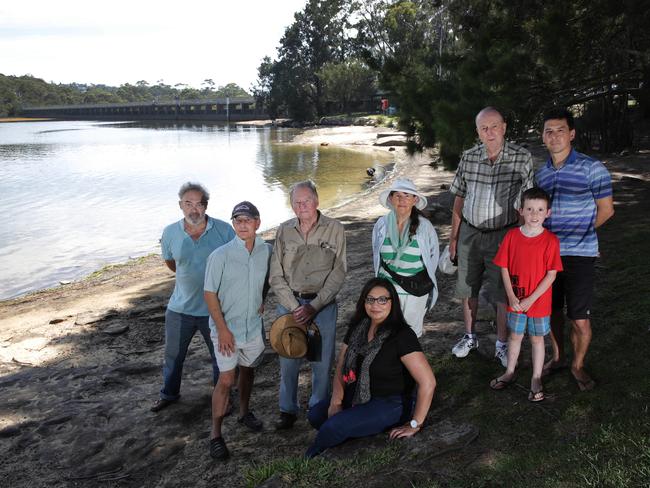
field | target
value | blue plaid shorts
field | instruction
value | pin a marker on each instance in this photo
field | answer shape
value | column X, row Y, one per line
column 536, row 326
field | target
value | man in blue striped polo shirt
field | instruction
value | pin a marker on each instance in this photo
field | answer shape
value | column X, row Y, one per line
column 581, row 193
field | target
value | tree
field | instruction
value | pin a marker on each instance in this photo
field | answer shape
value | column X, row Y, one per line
column 20, row 91
column 189, row 93
column 347, row 81
column 231, row 90
column 266, row 90
column 162, row 91
column 317, row 36
column 96, row 95
column 134, row 93
column 208, row 87
column 445, row 60
column 404, row 41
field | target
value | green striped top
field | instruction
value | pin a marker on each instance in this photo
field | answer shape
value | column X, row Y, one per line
column 409, row 263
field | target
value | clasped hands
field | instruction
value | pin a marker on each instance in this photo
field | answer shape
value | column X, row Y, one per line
column 520, row 305
column 304, row 313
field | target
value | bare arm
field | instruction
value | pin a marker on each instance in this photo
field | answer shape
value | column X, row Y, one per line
column 604, row 210
column 456, row 218
column 336, row 403
column 417, row 365
column 226, row 339
column 510, row 293
column 171, row 264
column 544, row 285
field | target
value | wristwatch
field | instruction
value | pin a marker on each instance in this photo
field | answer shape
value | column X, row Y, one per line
column 414, row 424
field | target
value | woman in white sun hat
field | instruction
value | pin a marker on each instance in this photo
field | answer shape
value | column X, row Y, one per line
column 405, row 250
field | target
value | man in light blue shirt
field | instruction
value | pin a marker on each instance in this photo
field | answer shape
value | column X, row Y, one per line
column 186, row 245
column 235, row 279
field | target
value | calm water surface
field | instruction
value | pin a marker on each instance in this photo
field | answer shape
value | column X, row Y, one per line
column 76, row 196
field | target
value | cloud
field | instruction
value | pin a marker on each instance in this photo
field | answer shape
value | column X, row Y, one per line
column 126, row 41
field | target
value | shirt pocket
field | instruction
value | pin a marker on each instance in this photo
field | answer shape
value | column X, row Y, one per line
column 322, row 256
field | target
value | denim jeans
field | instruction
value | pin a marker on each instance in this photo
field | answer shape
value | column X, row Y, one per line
column 179, row 330
column 370, row 418
column 320, row 370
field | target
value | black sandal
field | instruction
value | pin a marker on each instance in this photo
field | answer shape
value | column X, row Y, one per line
column 497, row 384
column 218, row 449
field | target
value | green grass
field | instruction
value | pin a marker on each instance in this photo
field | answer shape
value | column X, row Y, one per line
column 380, row 119
column 317, row 472
column 594, row 439
column 385, row 120
column 573, row 439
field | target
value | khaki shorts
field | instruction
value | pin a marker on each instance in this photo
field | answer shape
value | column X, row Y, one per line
column 476, row 251
column 249, row 354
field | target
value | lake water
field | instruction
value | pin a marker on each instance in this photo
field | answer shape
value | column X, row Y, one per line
column 77, row 195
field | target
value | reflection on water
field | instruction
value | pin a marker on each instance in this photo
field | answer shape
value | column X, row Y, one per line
column 78, row 195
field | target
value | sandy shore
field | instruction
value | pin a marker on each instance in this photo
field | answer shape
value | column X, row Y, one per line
column 80, row 364
column 22, row 119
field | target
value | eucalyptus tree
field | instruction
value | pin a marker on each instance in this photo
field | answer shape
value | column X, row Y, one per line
column 231, row 90
column 406, row 42
column 444, row 60
column 292, row 83
column 347, row 81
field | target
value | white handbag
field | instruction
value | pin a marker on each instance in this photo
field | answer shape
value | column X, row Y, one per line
column 444, row 264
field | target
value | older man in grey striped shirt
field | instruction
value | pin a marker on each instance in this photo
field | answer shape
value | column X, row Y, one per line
column 489, row 181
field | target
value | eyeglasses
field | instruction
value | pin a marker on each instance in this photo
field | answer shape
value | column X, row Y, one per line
column 197, row 205
column 380, row 300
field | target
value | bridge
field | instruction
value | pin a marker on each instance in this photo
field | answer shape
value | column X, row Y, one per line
column 218, row 109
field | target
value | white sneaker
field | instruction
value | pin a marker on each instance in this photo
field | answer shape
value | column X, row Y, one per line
column 464, row 346
column 501, row 353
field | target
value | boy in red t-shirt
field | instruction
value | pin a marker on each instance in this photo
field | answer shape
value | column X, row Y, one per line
column 529, row 258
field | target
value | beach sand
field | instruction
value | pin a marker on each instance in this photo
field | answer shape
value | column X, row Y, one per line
column 80, row 364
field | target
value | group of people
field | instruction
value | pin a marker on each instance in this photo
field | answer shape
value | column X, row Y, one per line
column 532, row 248
column 523, row 277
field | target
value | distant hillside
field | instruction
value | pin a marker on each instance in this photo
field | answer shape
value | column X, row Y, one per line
column 18, row 91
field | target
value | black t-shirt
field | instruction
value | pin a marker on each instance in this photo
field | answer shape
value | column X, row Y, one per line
column 388, row 375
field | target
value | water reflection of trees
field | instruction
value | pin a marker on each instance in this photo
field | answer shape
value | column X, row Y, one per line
column 337, row 171
column 172, row 125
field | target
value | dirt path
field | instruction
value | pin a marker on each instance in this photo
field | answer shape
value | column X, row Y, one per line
column 80, row 366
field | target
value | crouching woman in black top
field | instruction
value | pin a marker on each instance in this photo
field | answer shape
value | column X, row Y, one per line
column 378, row 367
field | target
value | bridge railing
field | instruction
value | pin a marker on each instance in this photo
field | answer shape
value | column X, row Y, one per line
column 172, row 103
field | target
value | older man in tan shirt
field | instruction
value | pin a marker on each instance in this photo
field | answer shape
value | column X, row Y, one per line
column 307, row 271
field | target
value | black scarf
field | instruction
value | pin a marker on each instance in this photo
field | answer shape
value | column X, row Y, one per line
column 358, row 345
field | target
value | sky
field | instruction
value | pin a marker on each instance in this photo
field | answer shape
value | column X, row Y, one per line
column 125, row 41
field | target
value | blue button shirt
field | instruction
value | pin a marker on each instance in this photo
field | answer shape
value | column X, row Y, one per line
column 238, row 277
column 190, row 257
column 574, row 189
